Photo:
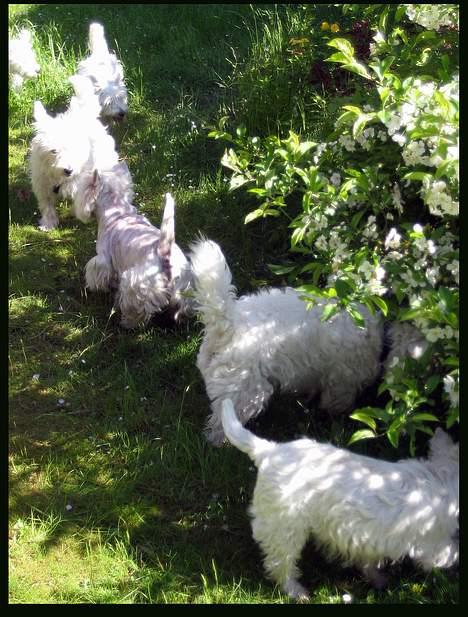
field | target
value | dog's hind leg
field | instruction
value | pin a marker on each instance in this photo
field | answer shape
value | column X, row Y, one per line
column 282, row 550
column 99, row 273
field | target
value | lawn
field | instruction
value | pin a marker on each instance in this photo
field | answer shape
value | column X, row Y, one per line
column 115, row 496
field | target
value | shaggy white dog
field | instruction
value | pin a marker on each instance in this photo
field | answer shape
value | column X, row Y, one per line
column 22, row 63
column 66, row 146
column 106, row 73
column 359, row 508
column 257, row 343
column 149, row 270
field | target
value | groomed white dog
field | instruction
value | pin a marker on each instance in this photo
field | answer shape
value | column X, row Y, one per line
column 66, row 146
column 364, row 510
column 267, row 341
column 145, row 265
column 22, row 63
column 106, row 73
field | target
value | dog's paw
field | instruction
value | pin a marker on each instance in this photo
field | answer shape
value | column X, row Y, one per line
column 295, row 590
column 47, row 223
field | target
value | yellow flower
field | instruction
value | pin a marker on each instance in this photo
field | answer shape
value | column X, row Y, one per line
column 324, row 25
column 335, row 28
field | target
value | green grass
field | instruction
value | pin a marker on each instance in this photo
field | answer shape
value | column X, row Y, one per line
column 115, row 497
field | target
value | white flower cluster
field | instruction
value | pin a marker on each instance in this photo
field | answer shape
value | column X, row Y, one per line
column 438, row 200
column 432, row 16
column 374, row 276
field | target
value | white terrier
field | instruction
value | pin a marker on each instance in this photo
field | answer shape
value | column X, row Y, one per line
column 64, row 147
column 22, row 63
column 106, row 73
column 257, row 343
column 149, row 270
column 362, row 509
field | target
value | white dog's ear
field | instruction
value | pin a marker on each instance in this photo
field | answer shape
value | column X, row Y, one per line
column 39, row 113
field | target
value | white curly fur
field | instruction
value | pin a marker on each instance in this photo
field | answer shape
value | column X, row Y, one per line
column 106, row 73
column 362, row 509
column 259, row 342
column 65, row 147
column 149, row 270
column 22, row 63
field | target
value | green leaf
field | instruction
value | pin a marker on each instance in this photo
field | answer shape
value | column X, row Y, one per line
column 338, row 57
column 251, row 216
column 416, row 175
column 432, row 383
column 238, row 181
column 230, row 160
column 343, row 288
column 257, row 191
column 343, row 45
column 362, row 417
column 354, row 109
column 380, row 303
column 393, row 437
column 360, row 123
column 356, row 316
column 420, row 417
column 358, row 68
column 411, row 314
column 281, row 269
column 361, row 434
column 328, row 311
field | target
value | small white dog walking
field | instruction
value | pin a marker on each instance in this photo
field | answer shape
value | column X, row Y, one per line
column 22, row 63
column 106, row 73
column 64, row 147
column 268, row 340
column 362, row 509
column 145, row 265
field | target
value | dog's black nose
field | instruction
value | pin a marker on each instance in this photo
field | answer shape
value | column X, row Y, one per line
column 67, row 171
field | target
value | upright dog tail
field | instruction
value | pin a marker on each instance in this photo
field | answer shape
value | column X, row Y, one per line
column 85, row 100
column 214, row 293
column 167, row 237
column 97, row 40
column 240, row 437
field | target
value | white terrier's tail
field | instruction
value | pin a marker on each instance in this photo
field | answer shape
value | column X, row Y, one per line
column 240, row 437
column 97, row 41
column 214, row 293
column 167, row 237
column 85, row 100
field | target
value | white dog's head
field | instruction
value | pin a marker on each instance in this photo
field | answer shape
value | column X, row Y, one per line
column 114, row 100
column 94, row 185
column 106, row 73
column 22, row 60
column 63, row 142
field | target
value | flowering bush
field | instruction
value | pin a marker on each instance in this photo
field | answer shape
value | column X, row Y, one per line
column 378, row 222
